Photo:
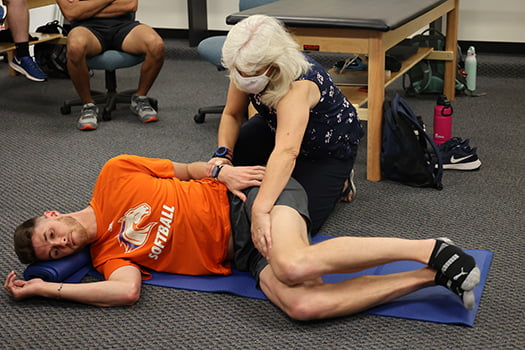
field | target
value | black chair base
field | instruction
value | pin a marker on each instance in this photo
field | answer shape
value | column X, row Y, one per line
column 201, row 113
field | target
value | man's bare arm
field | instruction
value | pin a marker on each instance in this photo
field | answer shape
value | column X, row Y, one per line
column 122, row 288
column 235, row 178
column 74, row 10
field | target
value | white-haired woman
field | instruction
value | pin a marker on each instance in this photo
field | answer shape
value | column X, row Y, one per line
column 305, row 126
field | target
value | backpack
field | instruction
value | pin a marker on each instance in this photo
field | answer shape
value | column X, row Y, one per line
column 52, row 57
column 427, row 75
column 408, row 154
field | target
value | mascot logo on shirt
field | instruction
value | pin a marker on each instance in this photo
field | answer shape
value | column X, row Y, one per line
column 132, row 235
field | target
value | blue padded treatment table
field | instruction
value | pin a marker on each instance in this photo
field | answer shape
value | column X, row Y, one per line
column 382, row 15
column 368, row 27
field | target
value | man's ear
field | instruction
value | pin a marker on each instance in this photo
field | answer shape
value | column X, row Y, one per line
column 51, row 213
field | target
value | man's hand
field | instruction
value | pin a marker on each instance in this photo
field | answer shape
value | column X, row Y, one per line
column 20, row 289
column 241, row 177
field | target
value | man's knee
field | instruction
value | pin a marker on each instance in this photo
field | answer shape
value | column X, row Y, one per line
column 155, row 45
column 290, row 269
column 301, row 304
column 145, row 40
column 79, row 44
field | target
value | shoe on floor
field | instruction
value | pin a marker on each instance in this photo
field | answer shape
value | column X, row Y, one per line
column 3, row 13
column 27, row 66
column 141, row 107
column 88, row 117
column 458, row 155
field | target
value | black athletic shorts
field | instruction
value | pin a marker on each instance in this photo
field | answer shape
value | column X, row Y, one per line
column 247, row 257
column 109, row 31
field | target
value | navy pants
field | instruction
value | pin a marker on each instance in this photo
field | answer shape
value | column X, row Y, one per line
column 322, row 179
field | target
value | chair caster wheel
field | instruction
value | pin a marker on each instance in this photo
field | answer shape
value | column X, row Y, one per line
column 199, row 118
column 65, row 109
column 106, row 115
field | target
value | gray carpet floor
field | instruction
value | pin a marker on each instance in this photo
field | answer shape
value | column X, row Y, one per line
column 45, row 163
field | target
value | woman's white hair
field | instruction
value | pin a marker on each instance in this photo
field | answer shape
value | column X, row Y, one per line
column 260, row 41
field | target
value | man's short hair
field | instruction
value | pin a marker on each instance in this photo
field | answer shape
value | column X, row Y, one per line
column 23, row 244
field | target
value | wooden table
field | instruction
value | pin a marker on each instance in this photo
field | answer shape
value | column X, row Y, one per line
column 367, row 27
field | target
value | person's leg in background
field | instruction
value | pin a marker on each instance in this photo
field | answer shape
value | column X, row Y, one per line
column 82, row 43
column 18, row 20
column 143, row 40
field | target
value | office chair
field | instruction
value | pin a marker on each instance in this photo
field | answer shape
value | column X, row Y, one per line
column 211, row 50
column 110, row 61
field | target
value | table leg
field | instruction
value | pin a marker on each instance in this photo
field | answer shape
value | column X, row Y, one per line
column 449, row 79
column 376, row 96
column 197, row 21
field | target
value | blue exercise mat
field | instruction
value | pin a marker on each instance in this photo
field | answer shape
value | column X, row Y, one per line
column 433, row 304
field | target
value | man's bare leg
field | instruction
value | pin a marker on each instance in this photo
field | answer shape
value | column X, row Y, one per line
column 292, row 256
column 81, row 43
column 18, row 18
column 297, row 265
column 144, row 40
column 318, row 300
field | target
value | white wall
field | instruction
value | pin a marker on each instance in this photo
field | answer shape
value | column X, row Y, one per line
column 479, row 20
column 173, row 13
column 488, row 20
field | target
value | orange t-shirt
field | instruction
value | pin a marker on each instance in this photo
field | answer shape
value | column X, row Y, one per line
column 146, row 217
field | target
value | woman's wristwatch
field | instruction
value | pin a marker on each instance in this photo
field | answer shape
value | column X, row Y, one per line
column 223, row 152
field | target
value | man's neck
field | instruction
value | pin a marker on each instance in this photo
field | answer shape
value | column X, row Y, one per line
column 87, row 218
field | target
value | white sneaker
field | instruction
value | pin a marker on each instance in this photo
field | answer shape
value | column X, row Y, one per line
column 141, row 107
column 88, row 117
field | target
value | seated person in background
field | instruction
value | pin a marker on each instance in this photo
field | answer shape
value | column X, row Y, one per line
column 100, row 25
column 173, row 217
column 18, row 21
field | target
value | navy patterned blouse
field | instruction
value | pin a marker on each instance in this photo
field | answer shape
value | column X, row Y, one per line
column 334, row 129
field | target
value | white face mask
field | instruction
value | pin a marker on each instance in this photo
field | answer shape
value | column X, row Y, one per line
column 252, row 85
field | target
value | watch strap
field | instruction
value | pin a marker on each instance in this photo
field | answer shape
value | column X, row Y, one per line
column 216, row 170
column 223, row 152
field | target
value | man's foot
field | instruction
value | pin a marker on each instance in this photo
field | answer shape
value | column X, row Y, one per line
column 349, row 189
column 88, row 117
column 454, row 264
column 458, row 155
column 141, row 107
column 468, row 297
column 27, row 66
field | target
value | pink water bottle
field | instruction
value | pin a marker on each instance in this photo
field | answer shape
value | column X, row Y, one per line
column 442, row 120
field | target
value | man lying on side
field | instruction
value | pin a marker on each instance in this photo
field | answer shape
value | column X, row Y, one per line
column 195, row 219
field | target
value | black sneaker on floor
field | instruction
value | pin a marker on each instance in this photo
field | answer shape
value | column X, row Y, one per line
column 458, row 155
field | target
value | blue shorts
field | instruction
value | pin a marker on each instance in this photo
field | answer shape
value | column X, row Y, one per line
column 247, row 257
column 110, row 31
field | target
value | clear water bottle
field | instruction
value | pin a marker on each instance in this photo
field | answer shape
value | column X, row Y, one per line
column 471, row 67
column 442, row 120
